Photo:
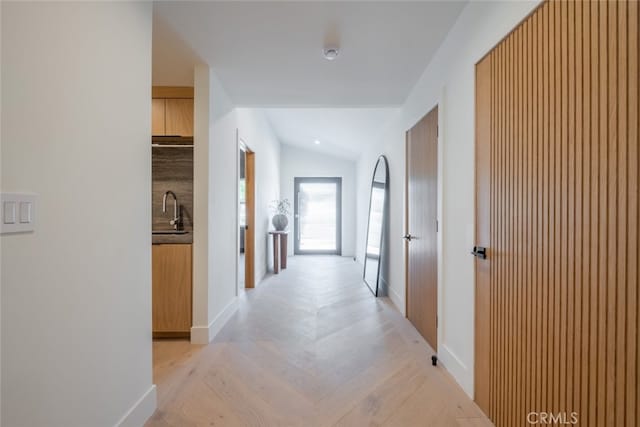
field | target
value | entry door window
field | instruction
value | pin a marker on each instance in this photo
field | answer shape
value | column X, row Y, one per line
column 318, row 215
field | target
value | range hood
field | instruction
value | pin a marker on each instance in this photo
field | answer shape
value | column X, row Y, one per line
column 172, row 141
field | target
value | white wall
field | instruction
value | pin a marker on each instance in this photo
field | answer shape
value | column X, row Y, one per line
column 217, row 127
column 393, row 149
column 255, row 130
column 298, row 162
column 201, row 140
column 215, row 123
column 222, row 225
column 76, row 293
column 448, row 81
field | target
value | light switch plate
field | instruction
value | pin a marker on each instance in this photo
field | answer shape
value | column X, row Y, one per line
column 9, row 212
column 18, row 212
column 25, row 212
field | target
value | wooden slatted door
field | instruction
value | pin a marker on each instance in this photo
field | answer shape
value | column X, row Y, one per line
column 557, row 207
column 422, row 199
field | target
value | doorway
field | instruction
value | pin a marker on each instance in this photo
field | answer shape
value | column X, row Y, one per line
column 246, row 216
column 421, row 239
column 318, row 216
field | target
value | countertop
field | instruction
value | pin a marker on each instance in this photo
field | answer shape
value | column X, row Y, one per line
column 159, row 239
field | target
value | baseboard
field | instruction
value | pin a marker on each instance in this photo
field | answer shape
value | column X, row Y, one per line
column 462, row 375
column 397, row 301
column 199, row 335
column 141, row 411
column 206, row 334
column 221, row 319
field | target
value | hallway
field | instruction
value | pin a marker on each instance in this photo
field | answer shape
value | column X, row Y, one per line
column 310, row 346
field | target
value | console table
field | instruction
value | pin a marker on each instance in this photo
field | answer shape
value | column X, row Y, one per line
column 279, row 250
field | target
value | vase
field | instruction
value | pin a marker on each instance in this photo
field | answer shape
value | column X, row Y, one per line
column 280, row 222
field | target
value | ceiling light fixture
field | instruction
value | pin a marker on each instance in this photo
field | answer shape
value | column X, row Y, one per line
column 317, row 142
column 330, row 53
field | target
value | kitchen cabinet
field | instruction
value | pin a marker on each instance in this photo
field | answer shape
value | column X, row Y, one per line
column 172, row 111
column 171, row 290
column 179, row 117
column 157, row 116
column 172, row 117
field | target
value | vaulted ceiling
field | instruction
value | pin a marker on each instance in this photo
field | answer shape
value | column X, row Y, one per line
column 270, row 53
column 342, row 132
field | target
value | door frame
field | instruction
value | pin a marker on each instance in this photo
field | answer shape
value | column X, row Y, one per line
column 296, row 220
column 250, row 231
column 442, row 352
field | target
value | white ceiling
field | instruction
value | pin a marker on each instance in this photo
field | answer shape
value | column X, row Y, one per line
column 270, row 53
column 343, row 132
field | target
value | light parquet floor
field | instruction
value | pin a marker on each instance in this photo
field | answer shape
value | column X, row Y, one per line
column 309, row 347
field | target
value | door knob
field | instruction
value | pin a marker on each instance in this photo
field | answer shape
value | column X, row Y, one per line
column 407, row 237
column 480, row 252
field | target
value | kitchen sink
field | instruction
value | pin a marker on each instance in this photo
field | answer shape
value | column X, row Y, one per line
column 169, row 232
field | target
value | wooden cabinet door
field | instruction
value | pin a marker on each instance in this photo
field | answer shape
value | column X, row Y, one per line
column 179, row 117
column 157, row 116
column 171, row 289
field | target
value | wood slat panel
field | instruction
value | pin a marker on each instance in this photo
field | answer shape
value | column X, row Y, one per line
column 546, row 247
column 594, row 244
column 557, row 116
column 585, row 66
column 553, row 174
column 527, row 400
column 575, row 204
column 519, row 202
column 510, row 241
column 536, row 224
column 632, row 402
column 498, row 278
column 610, row 113
column 603, row 221
column 541, row 60
column 619, row 237
column 563, row 284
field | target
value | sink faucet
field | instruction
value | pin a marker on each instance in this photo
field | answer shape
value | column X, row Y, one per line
column 176, row 219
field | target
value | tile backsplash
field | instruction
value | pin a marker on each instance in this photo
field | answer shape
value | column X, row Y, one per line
column 172, row 170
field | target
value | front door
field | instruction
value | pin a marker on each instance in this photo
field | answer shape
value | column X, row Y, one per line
column 318, row 210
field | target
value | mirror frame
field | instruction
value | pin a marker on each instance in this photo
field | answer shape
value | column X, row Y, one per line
column 382, row 161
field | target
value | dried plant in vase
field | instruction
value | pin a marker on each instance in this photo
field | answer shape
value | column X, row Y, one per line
column 281, row 209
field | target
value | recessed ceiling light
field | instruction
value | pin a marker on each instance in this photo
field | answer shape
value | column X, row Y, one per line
column 330, row 53
column 317, row 141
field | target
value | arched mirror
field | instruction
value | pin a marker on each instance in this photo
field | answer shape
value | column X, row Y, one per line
column 375, row 255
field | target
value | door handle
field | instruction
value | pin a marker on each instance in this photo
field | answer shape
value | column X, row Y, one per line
column 480, row 252
column 408, row 237
column 298, row 215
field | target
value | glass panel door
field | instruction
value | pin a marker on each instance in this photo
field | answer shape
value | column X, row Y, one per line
column 318, row 215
